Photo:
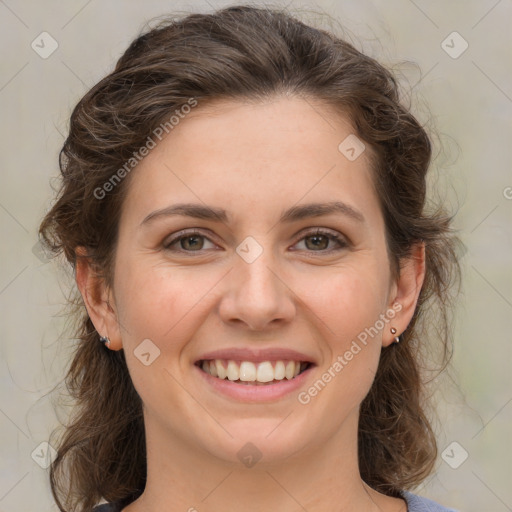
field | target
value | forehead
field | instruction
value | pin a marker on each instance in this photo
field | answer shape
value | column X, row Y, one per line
column 287, row 128
column 253, row 154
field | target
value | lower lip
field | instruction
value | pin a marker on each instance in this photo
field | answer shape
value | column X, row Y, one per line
column 251, row 393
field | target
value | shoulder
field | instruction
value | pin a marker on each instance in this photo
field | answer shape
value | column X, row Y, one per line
column 107, row 507
column 417, row 503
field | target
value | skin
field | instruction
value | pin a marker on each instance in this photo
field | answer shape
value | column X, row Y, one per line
column 255, row 160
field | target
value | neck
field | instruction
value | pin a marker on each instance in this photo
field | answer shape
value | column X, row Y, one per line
column 318, row 477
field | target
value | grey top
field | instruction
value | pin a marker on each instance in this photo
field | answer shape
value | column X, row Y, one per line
column 415, row 503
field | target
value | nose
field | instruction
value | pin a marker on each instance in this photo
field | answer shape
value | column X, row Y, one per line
column 257, row 294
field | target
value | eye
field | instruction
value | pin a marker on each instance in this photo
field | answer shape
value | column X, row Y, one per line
column 189, row 241
column 193, row 241
column 320, row 239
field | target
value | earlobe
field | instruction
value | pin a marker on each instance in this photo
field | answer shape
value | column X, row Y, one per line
column 407, row 292
column 95, row 295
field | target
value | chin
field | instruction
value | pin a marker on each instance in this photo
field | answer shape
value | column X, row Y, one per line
column 261, row 441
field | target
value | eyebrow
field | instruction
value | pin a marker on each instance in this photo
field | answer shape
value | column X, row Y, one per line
column 293, row 214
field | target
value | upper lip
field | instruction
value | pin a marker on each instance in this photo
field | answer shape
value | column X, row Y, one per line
column 257, row 355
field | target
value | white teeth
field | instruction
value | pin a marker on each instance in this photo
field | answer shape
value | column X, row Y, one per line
column 290, row 370
column 265, row 372
column 279, row 371
column 221, row 371
column 247, row 371
column 233, row 371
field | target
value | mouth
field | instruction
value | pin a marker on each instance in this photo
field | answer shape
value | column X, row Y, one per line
column 248, row 373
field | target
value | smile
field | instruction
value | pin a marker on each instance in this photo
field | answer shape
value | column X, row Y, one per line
column 250, row 373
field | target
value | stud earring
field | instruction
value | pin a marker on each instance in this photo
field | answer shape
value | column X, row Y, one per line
column 105, row 341
column 397, row 338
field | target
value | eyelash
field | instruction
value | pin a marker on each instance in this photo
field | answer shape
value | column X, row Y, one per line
column 331, row 236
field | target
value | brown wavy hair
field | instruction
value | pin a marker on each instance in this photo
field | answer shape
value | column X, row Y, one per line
column 243, row 53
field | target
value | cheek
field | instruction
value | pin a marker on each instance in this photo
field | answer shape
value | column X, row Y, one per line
column 158, row 302
column 160, row 305
column 348, row 302
column 350, row 306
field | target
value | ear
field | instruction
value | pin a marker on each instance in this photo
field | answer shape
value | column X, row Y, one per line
column 98, row 299
column 405, row 292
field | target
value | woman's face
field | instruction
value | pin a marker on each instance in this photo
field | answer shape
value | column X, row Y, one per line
column 255, row 284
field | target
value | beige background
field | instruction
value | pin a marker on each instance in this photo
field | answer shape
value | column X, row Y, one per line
column 470, row 101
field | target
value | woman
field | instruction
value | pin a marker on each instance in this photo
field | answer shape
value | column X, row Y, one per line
column 244, row 206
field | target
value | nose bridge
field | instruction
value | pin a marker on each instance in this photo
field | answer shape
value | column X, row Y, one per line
column 256, row 294
column 256, row 275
